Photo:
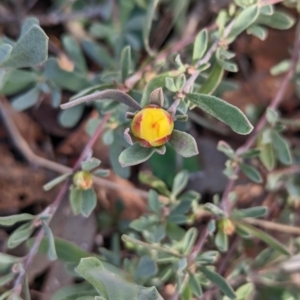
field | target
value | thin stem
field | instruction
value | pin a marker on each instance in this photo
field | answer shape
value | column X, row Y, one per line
column 52, row 208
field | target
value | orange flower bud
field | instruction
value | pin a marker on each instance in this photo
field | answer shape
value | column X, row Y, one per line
column 83, row 180
column 226, row 226
column 152, row 126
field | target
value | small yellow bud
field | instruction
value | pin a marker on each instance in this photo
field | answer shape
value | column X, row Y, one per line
column 227, row 226
column 83, row 180
column 152, row 126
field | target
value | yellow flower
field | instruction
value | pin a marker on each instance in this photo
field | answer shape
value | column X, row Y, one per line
column 83, row 180
column 152, row 126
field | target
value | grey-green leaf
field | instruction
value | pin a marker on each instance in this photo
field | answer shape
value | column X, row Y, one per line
column 12, row 220
column 265, row 237
column 180, row 182
column 5, row 50
column 147, row 25
column 26, row 100
column 251, row 212
column 51, row 245
column 125, row 63
column 195, row 285
column 200, row 45
column 212, row 81
column 223, row 111
column 183, row 143
column 146, row 267
column 76, row 200
column 89, row 202
column 69, row 118
column 219, row 281
column 153, row 202
column 20, row 235
column 48, row 186
column 74, row 51
column 25, row 52
column 88, row 269
column 279, row 20
column 251, row 172
column 282, row 148
column 221, row 241
column 258, row 31
column 90, row 164
column 243, row 21
column 135, row 155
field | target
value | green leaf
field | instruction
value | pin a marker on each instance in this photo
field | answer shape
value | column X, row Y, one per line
column 153, row 202
column 15, row 81
column 250, row 153
column 244, row 292
column 265, row 237
column 12, row 220
column 200, row 45
column 76, row 200
column 70, row 81
column 251, row 212
column 27, row 24
column 170, row 84
column 266, row 154
column 214, row 78
column 189, row 240
column 281, row 67
column 221, row 241
column 147, row 25
column 195, row 285
column 146, row 267
column 48, row 186
column 267, row 10
column 89, row 202
column 177, row 219
column 51, row 245
column 101, row 172
column 25, row 53
column 208, row 257
column 115, row 150
column 70, row 117
column 279, row 20
column 219, row 281
column 135, row 155
column 88, row 268
column 214, row 209
column 4, row 280
column 5, row 51
column 272, row 116
column 26, row 100
column 180, row 82
column 108, row 137
column 251, row 172
column 258, row 31
column 98, row 54
column 75, row 53
column 125, row 63
column 6, row 259
column 243, row 21
column 282, row 148
column 223, row 111
column 183, row 143
column 90, row 164
column 154, row 182
column 244, row 234
column 180, row 182
column 226, row 149
column 20, row 235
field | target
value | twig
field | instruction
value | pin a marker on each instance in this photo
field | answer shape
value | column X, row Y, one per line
column 52, row 208
column 262, row 122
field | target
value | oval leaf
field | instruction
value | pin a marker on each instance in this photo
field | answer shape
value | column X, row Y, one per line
column 183, row 143
column 223, row 111
column 251, row 173
column 200, row 45
column 135, row 155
